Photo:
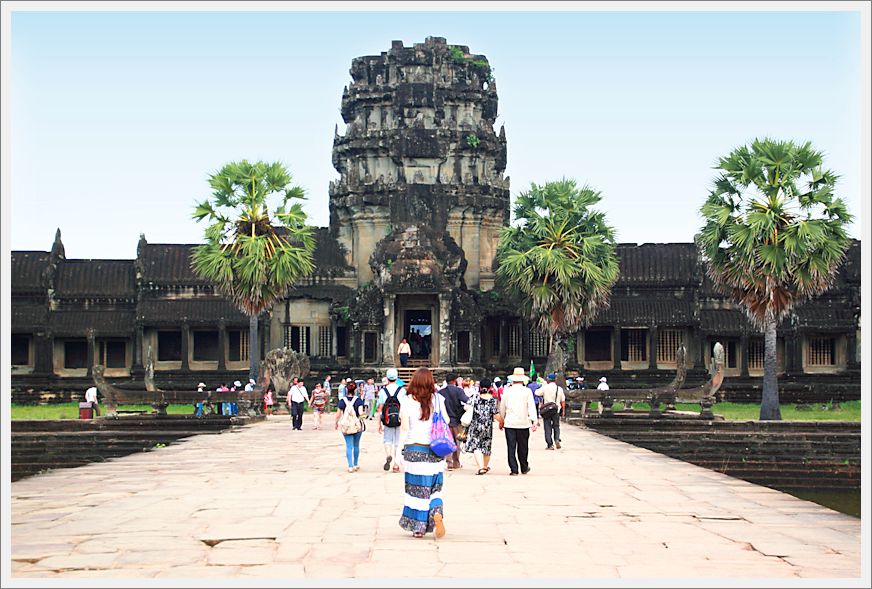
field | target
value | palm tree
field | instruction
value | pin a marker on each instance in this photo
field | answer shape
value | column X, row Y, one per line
column 774, row 236
column 559, row 261
column 253, row 254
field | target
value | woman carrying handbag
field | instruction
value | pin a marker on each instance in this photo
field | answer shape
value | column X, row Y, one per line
column 420, row 415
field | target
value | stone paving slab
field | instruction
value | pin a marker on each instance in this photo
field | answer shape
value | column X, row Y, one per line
column 268, row 502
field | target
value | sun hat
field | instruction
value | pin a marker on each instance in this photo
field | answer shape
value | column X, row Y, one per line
column 497, row 379
column 392, row 374
column 236, row 383
column 252, row 381
column 602, row 379
column 519, row 376
column 202, row 384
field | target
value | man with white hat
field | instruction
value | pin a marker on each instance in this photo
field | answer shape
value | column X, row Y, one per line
column 517, row 417
column 201, row 388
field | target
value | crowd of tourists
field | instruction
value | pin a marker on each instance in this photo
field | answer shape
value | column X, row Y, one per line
column 425, row 426
column 222, row 407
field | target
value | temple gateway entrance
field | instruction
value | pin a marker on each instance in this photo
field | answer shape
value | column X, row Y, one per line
column 418, row 321
column 418, row 329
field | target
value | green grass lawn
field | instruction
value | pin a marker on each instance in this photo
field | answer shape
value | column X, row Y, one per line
column 849, row 411
column 71, row 410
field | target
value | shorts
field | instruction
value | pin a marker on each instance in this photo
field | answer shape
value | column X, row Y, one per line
column 392, row 436
column 319, row 410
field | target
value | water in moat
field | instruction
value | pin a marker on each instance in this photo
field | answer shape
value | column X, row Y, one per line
column 842, row 500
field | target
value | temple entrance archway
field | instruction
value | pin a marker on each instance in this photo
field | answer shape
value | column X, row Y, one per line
column 417, row 320
column 418, row 330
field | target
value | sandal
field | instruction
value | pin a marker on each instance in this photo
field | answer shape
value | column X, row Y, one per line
column 418, row 535
column 482, row 471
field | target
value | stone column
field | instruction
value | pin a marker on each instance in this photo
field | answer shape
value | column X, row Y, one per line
column 789, row 344
column 652, row 347
column 186, row 346
column 222, row 345
column 267, row 338
column 616, row 348
column 797, row 351
column 43, row 351
column 851, row 350
column 475, row 343
column 696, row 348
column 388, row 334
column 92, row 351
column 504, row 340
column 138, row 336
column 444, row 330
column 743, row 355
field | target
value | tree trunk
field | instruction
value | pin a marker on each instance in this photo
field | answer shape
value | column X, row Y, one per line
column 557, row 356
column 770, row 408
column 253, row 348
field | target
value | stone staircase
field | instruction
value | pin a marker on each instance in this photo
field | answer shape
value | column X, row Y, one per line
column 779, row 454
column 41, row 445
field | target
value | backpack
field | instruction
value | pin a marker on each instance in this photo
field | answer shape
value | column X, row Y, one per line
column 551, row 409
column 391, row 409
column 349, row 423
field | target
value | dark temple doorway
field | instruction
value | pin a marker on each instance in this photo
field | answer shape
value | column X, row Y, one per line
column 418, row 329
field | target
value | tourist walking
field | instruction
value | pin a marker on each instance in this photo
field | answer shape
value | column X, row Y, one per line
column 404, row 350
column 348, row 414
column 390, row 398
column 480, row 432
column 268, row 403
column 369, row 390
column 552, row 406
column 297, row 396
column 498, row 388
column 320, row 397
column 423, row 507
column 454, row 400
column 518, row 416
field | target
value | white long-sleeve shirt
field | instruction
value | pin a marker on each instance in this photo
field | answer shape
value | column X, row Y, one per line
column 517, row 407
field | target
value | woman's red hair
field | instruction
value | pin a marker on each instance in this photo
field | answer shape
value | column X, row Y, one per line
column 422, row 389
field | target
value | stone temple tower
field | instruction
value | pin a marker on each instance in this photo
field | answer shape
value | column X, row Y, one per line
column 421, row 196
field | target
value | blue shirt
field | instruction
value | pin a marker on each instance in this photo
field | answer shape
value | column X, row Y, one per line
column 358, row 405
column 388, row 389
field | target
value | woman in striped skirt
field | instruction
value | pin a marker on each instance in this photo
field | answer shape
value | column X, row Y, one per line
column 422, row 507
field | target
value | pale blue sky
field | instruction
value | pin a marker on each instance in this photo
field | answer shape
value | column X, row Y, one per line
column 118, row 118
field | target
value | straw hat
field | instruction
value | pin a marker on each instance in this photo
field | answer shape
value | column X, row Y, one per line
column 519, row 376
